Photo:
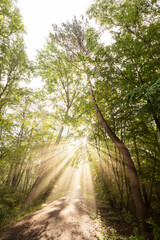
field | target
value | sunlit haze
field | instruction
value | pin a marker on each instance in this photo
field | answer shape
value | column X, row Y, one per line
column 68, row 166
column 39, row 15
column 79, row 119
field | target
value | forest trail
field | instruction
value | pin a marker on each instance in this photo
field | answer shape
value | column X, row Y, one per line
column 66, row 218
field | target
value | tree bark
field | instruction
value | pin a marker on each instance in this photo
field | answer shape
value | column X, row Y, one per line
column 154, row 116
column 147, row 204
column 103, row 175
column 58, row 138
column 132, row 173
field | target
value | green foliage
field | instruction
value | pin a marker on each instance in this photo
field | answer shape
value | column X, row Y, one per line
column 155, row 228
column 105, row 232
column 127, row 80
column 132, row 57
column 126, row 84
column 140, row 234
column 11, row 206
column 9, row 203
column 137, row 236
column 127, row 216
column 14, row 64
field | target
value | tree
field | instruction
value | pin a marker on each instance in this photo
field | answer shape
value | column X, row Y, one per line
column 14, row 64
column 72, row 38
column 134, row 60
column 135, row 53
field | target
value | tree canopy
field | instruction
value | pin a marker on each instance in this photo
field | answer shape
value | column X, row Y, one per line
column 100, row 104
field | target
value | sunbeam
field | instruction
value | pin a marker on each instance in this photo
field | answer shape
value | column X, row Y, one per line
column 65, row 172
column 52, row 166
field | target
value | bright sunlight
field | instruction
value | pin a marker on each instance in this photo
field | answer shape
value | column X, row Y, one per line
column 79, row 119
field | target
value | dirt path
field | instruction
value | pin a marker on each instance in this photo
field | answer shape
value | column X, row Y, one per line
column 64, row 219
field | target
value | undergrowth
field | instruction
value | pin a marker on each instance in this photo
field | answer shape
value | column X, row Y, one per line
column 11, row 206
column 11, row 203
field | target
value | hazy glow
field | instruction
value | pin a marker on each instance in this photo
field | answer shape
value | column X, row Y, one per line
column 88, row 186
column 68, row 170
column 84, row 140
column 52, row 164
column 39, row 15
column 76, row 182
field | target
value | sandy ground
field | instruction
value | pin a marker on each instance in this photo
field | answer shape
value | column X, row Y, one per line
column 66, row 218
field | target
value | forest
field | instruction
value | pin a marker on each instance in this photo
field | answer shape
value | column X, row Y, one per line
column 95, row 123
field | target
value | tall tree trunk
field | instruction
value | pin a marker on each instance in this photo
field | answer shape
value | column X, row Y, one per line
column 147, row 204
column 154, row 116
column 132, row 173
column 26, row 180
column 8, row 181
column 58, row 138
column 20, row 177
column 122, row 180
column 154, row 172
column 103, row 175
column 128, row 192
column 113, row 168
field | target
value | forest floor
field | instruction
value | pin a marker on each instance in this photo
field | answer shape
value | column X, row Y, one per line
column 68, row 218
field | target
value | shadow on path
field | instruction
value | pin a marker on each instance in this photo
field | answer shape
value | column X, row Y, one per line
column 64, row 219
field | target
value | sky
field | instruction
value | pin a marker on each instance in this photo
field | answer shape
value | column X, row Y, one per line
column 39, row 15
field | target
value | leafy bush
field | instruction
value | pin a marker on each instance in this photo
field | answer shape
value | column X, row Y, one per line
column 127, row 216
column 137, row 235
column 9, row 202
column 155, row 228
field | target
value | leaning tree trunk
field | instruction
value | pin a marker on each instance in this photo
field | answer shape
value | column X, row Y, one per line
column 132, row 173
